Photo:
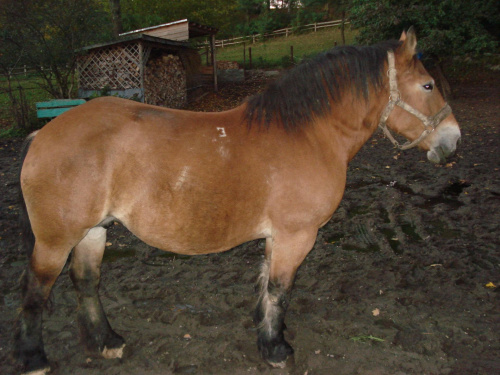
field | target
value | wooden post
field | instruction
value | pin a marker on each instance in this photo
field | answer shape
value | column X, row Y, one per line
column 141, row 71
column 315, row 26
column 250, row 57
column 244, row 56
column 214, row 61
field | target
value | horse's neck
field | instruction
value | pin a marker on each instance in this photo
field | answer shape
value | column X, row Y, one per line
column 352, row 122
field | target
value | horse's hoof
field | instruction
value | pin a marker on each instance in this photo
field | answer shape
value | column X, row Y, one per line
column 111, row 353
column 277, row 364
column 42, row 371
column 275, row 353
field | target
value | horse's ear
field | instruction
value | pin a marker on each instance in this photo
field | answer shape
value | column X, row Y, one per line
column 409, row 46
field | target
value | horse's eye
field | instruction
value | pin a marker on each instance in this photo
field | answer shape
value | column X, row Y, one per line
column 428, row 86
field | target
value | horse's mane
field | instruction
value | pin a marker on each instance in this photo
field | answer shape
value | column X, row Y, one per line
column 305, row 91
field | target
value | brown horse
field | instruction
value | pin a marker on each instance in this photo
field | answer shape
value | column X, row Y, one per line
column 197, row 183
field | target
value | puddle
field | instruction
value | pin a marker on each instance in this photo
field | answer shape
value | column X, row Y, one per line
column 449, row 195
column 369, row 248
column 409, row 230
column 441, row 229
column 391, row 237
column 358, row 210
column 334, row 238
column 112, row 255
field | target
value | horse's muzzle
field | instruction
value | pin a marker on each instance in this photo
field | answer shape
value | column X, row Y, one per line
column 444, row 142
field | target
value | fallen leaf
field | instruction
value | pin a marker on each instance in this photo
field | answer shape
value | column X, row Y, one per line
column 108, row 244
column 187, row 336
column 490, row 285
column 376, row 312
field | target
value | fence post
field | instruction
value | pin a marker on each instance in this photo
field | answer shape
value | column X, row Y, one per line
column 25, row 70
column 286, row 32
column 315, row 26
column 214, row 60
column 253, row 39
column 244, row 56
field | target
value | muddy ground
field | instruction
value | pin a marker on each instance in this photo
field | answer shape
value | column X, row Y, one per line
column 398, row 282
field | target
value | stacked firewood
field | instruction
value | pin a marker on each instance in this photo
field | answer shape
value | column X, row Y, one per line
column 226, row 65
column 165, row 81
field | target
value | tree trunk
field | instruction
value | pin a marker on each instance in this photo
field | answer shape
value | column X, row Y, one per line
column 116, row 17
column 342, row 28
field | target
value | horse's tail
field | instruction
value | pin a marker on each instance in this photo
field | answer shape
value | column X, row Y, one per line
column 28, row 238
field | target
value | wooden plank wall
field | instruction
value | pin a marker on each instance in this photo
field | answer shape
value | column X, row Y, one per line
column 174, row 32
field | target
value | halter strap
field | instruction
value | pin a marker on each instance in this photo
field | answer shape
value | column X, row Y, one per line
column 430, row 122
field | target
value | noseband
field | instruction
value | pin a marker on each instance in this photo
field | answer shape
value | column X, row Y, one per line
column 430, row 122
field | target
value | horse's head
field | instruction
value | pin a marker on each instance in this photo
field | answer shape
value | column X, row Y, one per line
column 416, row 109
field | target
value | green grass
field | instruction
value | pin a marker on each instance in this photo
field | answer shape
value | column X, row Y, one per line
column 275, row 52
column 33, row 94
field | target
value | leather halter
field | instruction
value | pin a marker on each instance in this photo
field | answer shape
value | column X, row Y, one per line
column 430, row 122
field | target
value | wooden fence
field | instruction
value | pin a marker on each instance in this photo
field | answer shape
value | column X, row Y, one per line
column 281, row 32
column 25, row 70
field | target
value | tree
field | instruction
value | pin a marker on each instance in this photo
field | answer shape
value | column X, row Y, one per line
column 445, row 27
column 116, row 17
column 46, row 34
column 221, row 14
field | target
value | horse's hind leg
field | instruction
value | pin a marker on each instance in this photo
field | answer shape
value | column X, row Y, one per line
column 95, row 330
column 284, row 254
column 45, row 266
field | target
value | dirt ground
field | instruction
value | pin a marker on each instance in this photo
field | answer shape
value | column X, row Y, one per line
column 401, row 280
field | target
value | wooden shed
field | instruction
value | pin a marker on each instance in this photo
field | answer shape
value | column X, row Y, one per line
column 155, row 65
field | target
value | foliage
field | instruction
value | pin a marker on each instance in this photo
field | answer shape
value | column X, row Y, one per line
column 445, row 27
column 216, row 13
column 46, row 34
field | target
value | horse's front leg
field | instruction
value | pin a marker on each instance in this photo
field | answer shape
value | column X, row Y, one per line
column 284, row 254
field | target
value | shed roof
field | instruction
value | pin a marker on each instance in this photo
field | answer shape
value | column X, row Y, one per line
column 161, row 42
column 194, row 29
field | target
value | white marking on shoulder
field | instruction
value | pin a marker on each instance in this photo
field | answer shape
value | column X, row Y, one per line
column 222, row 132
column 182, row 178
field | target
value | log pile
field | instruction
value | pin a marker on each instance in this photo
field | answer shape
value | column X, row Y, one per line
column 226, row 65
column 116, row 68
column 165, row 81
